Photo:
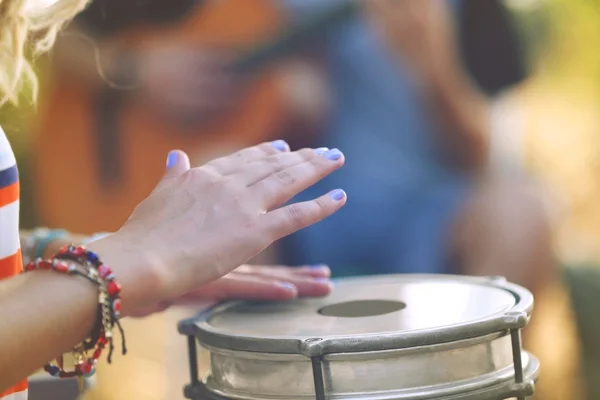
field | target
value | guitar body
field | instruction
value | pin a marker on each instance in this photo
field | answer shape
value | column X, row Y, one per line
column 72, row 189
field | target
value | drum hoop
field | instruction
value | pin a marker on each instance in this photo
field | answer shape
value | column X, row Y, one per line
column 439, row 347
column 514, row 319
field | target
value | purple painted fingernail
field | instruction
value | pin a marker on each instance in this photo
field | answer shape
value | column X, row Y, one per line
column 334, row 154
column 321, row 150
column 287, row 286
column 281, row 145
column 337, row 194
column 171, row 159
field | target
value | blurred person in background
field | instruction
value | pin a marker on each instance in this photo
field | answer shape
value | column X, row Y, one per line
column 412, row 85
column 418, row 127
column 416, row 121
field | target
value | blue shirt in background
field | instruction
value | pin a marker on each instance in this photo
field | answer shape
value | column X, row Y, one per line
column 401, row 199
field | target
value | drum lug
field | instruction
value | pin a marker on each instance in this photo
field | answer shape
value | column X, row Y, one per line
column 516, row 319
column 523, row 390
column 314, row 347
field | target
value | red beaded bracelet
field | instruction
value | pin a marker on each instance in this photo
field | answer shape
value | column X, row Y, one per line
column 76, row 260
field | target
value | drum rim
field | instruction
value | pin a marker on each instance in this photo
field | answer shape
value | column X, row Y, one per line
column 516, row 317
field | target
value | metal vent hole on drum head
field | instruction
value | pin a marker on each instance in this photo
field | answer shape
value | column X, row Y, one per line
column 362, row 308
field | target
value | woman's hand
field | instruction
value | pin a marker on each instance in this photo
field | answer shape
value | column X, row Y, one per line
column 200, row 224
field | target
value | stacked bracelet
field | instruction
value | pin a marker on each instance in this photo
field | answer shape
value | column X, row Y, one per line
column 86, row 264
column 37, row 242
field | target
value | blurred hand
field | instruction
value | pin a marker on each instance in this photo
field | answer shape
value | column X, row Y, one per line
column 200, row 224
column 188, row 84
column 421, row 31
column 269, row 283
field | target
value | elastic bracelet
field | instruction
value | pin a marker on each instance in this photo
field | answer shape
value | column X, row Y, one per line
column 76, row 260
column 38, row 241
column 94, row 237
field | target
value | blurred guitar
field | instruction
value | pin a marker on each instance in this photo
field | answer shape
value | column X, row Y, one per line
column 113, row 149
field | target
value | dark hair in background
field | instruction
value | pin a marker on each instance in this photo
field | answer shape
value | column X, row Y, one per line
column 108, row 17
column 492, row 51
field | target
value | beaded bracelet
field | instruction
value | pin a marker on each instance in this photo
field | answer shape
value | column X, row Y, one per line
column 86, row 264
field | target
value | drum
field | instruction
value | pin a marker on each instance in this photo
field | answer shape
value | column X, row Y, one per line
column 409, row 337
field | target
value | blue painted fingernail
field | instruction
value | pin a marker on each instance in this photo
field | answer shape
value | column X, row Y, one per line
column 337, row 194
column 281, row 145
column 172, row 159
column 321, row 150
column 333, row 154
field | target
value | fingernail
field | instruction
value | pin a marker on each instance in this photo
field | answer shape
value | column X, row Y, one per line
column 321, row 150
column 333, row 154
column 171, row 159
column 337, row 194
column 281, row 145
column 317, row 266
column 323, row 280
column 287, row 286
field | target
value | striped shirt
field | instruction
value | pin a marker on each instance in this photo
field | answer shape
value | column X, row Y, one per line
column 10, row 254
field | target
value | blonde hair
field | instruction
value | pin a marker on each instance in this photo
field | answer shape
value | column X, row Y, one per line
column 28, row 25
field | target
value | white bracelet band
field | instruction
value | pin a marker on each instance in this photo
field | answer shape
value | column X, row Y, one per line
column 94, row 237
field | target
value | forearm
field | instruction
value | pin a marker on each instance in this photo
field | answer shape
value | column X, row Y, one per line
column 47, row 313
column 463, row 117
column 43, row 314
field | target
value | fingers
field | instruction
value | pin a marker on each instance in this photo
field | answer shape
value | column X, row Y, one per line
column 257, row 171
column 308, row 282
column 287, row 220
column 268, row 286
column 315, row 271
column 244, row 287
column 281, row 186
column 238, row 161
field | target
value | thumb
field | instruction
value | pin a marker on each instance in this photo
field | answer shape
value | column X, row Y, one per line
column 178, row 163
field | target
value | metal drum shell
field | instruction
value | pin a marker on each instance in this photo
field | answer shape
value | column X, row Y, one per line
column 471, row 359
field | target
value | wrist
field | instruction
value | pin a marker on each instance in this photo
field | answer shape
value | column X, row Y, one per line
column 77, row 261
column 135, row 270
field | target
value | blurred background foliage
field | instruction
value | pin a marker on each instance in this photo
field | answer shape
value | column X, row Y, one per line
column 561, row 104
